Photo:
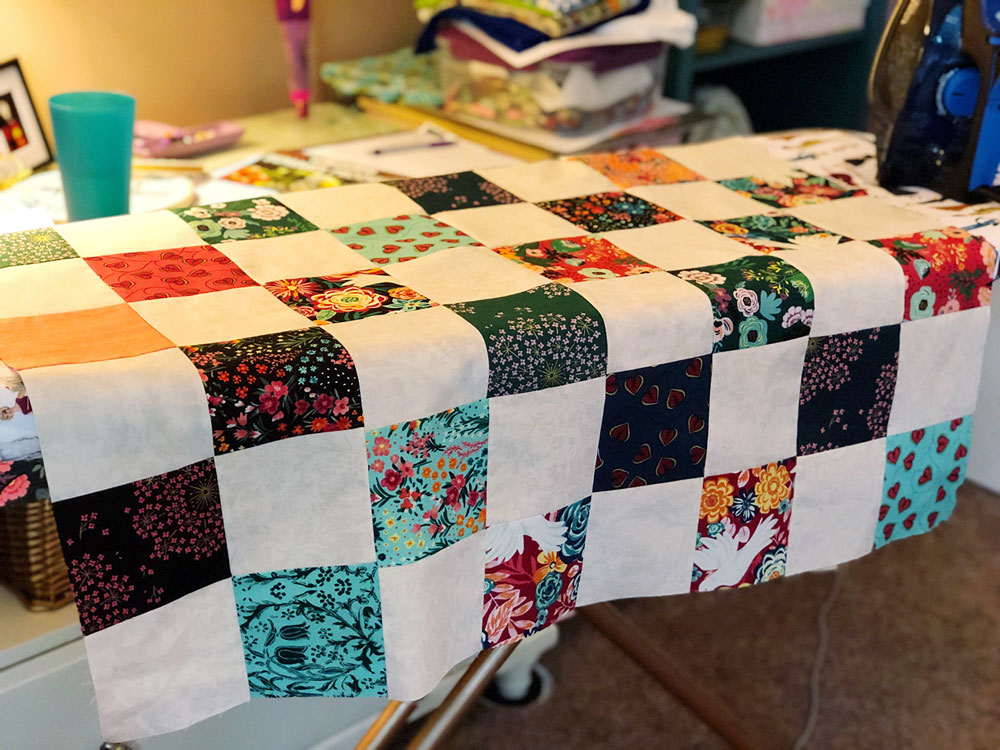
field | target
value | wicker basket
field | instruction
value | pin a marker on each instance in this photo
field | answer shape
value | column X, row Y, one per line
column 31, row 559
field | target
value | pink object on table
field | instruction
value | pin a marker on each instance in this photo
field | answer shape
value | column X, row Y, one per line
column 159, row 140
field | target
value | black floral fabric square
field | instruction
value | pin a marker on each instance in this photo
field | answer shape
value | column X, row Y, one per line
column 138, row 546
column 848, row 382
column 448, row 192
column 655, row 425
column 266, row 388
column 542, row 338
column 605, row 212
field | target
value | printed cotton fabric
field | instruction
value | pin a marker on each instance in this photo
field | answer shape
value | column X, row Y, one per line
column 333, row 443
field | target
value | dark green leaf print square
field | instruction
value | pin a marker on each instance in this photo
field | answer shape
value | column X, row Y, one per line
column 543, row 338
column 33, row 246
column 312, row 631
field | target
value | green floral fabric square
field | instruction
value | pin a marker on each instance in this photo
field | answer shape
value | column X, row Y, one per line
column 545, row 337
column 312, row 631
column 252, row 219
column 33, row 246
column 756, row 300
column 767, row 233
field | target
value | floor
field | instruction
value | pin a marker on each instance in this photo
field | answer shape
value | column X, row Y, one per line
column 913, row 659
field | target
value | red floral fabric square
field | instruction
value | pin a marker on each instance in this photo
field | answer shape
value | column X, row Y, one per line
column 743, row 527
column 947, row 270
column 181, row 272
column 576, row 259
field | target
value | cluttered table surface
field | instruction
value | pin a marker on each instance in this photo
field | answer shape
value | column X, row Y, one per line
column 334, row 442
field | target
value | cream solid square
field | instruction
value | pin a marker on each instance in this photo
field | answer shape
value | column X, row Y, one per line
column 651, row 319
column 220, row 316
column 700, row 200
column 729, row 158
column 856, row 286
column 432, row 615
column 299, row 502
column 156, row 230
column 337, row 207
column 59, row 286
column 549, row 180
column 940, row 364
column 171, row 667
column 542, row 449
column 415, row 364
column 510, row 224
column 678, row 244
column 465, row 274
column 753, row 415
column 835, row 508
column 640, row 542
column 104, row 424
column 865, row 217
column 293, row 256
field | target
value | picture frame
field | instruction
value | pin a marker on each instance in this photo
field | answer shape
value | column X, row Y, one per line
column 21, row 132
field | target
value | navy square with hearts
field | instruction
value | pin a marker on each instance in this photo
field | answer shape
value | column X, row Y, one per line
column 655, row 425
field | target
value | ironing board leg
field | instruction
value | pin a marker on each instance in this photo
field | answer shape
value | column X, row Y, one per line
column 389, row 724
column 461, row 698
column 674, row 676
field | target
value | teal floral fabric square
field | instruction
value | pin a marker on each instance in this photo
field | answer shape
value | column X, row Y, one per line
column 545, row 337
column 401, row 238
column 251, row 219
column 923, row 471
column 312, row 631
column 33, row 246
column 428, row 482
column 756, row 300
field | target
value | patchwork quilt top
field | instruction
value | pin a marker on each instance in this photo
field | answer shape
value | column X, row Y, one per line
column 332, row 443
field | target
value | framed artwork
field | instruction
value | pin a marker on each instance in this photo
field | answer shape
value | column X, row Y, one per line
column 20, row 132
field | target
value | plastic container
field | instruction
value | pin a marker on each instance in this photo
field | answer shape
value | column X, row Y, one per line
column 765, row 22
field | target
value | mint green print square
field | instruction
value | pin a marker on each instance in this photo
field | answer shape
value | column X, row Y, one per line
column 401, row 238
column 33, row 246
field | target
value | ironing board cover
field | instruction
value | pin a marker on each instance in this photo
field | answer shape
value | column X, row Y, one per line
column 333, row 443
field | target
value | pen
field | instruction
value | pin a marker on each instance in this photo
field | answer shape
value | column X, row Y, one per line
column 411, row 147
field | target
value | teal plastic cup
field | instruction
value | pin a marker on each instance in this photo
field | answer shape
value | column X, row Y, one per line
column 93, row 133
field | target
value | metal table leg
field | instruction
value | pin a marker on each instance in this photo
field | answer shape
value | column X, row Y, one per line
column 389, row 724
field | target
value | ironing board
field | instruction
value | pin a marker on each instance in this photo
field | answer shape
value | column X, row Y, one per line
column 269, row 427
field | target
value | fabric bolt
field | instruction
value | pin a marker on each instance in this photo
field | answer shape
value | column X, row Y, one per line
column 401, row 238
column 269, row 443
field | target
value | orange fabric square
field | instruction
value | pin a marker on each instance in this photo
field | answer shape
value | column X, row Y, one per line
column 82, row 336
column 639, row 166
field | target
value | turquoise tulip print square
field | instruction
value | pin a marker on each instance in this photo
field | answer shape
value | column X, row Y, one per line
column 427, row 479
column 312, row 631
column 923, row 471
column 756, row 300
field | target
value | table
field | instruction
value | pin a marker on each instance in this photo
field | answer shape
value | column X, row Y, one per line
column 270, row 427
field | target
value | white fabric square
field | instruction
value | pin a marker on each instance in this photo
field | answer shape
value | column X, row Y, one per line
column 542, row 449
column 465, row 274
column 700, row 200
column 865, row 217
column 729, row 158
column 549, row 180
column 414, row 364
column 432, row 615
column 171, row 667
column 220, row 316
column 835, row 507
column 59, row 286
column 296, row 503
column 651, row 319
column 103, row 424
column 754, row 410
column 640, row 541
column 856, row 286
column 293, row 256
column 509, row 224
column 336, row 207
column 678, row 244
column 156, row 230
column 940, row 364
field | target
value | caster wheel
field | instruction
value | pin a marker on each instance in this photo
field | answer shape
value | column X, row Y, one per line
column 539, row 690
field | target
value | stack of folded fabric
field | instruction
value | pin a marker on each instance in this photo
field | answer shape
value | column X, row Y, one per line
column 562, row 66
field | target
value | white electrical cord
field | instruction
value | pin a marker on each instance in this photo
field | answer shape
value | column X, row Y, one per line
column 817, row 669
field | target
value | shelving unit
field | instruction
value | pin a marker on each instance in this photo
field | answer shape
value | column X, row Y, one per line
column 812, row 82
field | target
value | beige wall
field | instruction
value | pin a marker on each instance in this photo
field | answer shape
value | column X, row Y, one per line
column 185, row 61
